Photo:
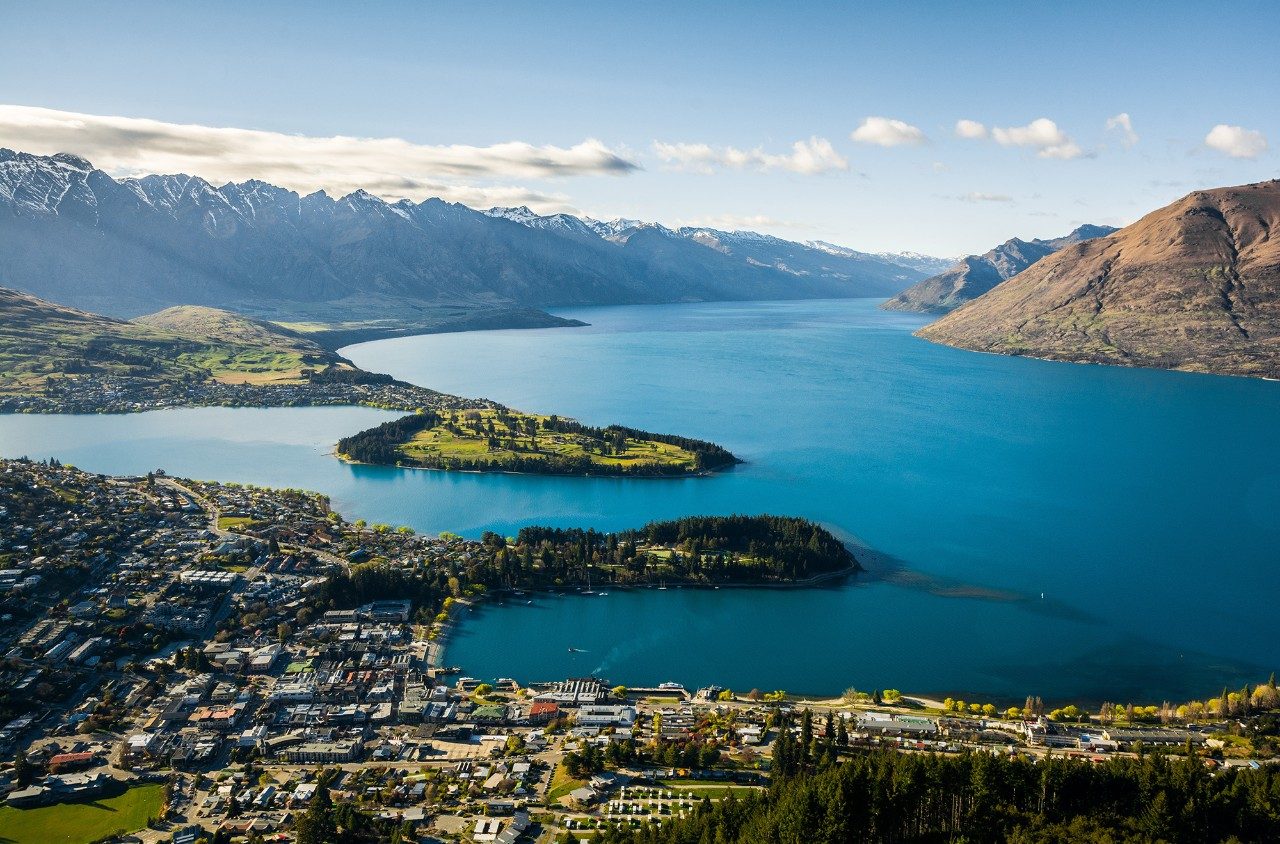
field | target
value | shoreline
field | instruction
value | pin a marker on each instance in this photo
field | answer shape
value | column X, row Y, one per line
column 1122, row 365
column 705, row 473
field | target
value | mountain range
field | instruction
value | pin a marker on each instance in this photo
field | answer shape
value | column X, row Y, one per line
column 1194, row 285
column 974, row 275
column 74, row 234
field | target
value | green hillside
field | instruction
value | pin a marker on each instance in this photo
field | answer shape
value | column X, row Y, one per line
column 40, row 341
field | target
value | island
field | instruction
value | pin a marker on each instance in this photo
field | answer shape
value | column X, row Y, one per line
column 497, row 439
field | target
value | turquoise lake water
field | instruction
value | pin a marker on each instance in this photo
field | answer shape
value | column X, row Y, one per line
column 1030, row 527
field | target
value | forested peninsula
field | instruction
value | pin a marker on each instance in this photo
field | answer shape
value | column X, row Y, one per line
column 496, row 439
column 696, row 551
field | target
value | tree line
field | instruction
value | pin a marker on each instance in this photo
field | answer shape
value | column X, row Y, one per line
column 706, row 548
column 977, row 797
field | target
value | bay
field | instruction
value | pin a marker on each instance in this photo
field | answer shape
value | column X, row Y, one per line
column 1029, row 527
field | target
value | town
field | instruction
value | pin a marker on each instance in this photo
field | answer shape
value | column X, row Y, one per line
column 126, row 394
column 220, row 662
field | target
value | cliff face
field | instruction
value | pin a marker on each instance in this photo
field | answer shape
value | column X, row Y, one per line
column 1193, row 286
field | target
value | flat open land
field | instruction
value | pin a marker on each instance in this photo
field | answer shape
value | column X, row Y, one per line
column 505, row 437
column 80, row 823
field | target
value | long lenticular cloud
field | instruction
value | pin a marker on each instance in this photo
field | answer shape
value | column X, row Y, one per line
column 387, row 166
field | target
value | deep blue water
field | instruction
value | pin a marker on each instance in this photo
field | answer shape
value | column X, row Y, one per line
column 1143, row 506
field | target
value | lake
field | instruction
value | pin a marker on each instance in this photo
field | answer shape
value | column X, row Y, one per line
column 1029, row 527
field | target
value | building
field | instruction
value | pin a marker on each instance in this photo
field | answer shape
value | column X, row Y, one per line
column 576, row 692
column 325, row 752
column 543, row 712
column 607, row 716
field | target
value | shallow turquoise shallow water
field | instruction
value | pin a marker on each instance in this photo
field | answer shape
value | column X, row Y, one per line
column 1031, row 527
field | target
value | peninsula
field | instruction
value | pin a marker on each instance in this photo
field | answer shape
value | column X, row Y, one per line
column 496, row 439
column 55, row 359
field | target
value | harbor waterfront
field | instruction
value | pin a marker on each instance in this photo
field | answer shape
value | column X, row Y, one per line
column 1113, row 535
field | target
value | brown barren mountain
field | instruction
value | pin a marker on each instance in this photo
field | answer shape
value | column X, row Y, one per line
column 1193, row 286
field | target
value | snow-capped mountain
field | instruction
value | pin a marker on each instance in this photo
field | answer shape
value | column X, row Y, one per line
column 76, row 235
column 763, row 250
column 928, row 264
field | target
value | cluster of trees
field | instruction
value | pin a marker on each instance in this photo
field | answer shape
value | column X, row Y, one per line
column 1241, row 703
column 1244, row 703
column 326, row 822
column 896, row 797
column 333, row 375
column 382, row 444
column 700, row 548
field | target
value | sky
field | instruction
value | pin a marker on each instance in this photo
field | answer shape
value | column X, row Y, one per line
column 932, row 127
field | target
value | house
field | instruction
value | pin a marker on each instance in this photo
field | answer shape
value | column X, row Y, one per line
column 583, row 796
column 486, row 830
column 489, row 715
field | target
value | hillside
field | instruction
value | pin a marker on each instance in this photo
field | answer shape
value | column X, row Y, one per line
column 974, row 275
column 74, row 234
column 1193, row 286
column 40, row 341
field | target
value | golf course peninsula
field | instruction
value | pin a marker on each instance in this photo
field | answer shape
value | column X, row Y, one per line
column 496, row 439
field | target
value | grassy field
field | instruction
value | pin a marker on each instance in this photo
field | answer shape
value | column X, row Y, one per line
column 501, row 438
column 80, row 823
column 561, row 784
column 237, row 523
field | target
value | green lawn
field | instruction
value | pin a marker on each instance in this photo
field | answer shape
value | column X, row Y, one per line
column 80, row 823
column 238, row 523
column 466, row 444
column 561, row 784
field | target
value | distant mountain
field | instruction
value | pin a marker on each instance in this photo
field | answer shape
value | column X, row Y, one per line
column 1194, row 286
column 73, row 234
column 974, row 275
column 40, row 340
column 812, row 261
column 912, row 260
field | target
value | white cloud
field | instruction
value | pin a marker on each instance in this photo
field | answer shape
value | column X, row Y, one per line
column 1236, row 141
column 1043, row 135
column 1124, row 125
column 389, row 167
column 815, row 155
column 887, row 132
column 971, row 129
column 979, row 196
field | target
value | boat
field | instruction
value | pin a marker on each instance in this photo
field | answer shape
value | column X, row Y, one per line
column 576, row 651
